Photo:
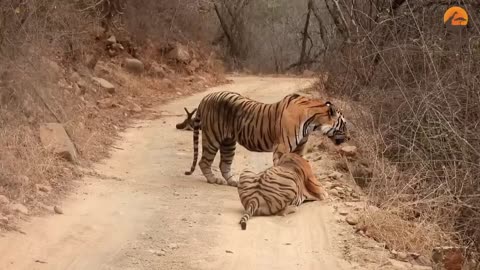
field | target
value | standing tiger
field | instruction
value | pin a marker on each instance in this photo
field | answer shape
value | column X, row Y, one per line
column 278, row 189
column 282, row 127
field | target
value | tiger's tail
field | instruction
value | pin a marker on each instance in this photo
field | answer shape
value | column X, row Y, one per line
column 251, row 208
column 196, row 132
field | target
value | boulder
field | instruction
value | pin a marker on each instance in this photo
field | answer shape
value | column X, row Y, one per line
column 58, row 210
column 352, row 220
column 179, row 53
column 104, row 84
column 348, row 150
column 18, row 207
column 55, row 139
column 75, row 77
column 4, row 200
column 112, row 40
column 157, row 70
column 134, row 66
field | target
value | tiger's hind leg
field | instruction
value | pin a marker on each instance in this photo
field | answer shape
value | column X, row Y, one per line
column 209, row 152
column 290, row 209
column 227, row 152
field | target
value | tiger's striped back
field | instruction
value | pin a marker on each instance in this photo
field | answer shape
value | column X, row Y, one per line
column 272, row 191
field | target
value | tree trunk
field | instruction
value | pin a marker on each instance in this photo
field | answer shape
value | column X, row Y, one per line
column 303, row 53
column 321, row 25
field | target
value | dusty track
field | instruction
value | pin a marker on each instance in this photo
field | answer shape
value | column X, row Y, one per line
column 144, row 213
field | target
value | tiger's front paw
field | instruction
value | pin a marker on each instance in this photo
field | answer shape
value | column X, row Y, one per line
column 233, row 182
column 218, row 181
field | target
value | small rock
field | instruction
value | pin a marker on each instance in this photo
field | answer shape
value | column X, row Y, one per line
column 157, row 252
column 135, row 107
column 82, row 84
column 348, row 150
column 168, row 82
column 340, row 190
column 106, row 103
column 352, row 220
column 112, row 40
column 98, row 31
column 229, row 251
column 43, row 206
column 372, row 208
column 333, row 192
column 58, row 210
column 173, row 246
column 18, row 207
column 355, row 195
column 308, row 73
column 422, row 260
column 52, row 69
column 112, row 53
column 3, row 220
column 193, row 66
column 133, row 65
column 414, row 255
column 104, row 84
column 78, row 90
column 75, row 77
column 23, row 179
column 335, row 175
column 402, row 256
column 55, row 139
column 4, row 200
column 117, row 47
column 343, row 212
column 43, row 188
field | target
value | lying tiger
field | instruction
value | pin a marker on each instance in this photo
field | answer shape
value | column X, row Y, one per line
column 279, row 189
column 282, row 127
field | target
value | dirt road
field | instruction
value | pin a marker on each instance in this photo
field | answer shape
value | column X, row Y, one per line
column 144, row 213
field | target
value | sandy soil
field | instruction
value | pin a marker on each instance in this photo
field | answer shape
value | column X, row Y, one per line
column 141, row 212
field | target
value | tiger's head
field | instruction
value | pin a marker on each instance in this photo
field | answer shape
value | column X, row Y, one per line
column 330, row 121
column 313, row 189
column 187, row 124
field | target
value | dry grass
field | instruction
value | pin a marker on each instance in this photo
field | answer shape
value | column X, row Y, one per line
column 401, row 235
column 417, row 112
